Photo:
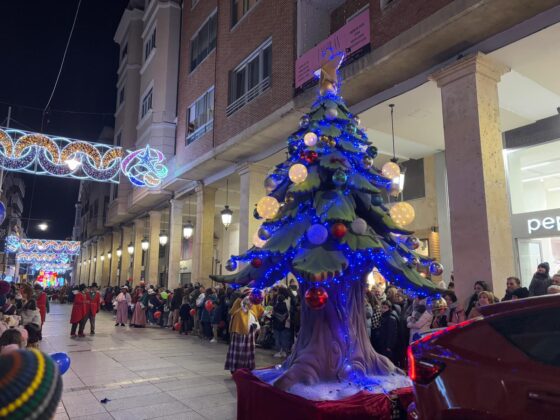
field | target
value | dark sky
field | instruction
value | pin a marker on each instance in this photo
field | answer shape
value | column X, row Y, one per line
column 34, row 34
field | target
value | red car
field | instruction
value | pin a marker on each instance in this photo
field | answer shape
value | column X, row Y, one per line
column 503, row 365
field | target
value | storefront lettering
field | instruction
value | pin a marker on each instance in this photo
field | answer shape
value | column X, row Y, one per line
column 547, row 223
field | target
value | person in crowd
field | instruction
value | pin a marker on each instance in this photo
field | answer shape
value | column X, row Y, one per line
column 281, row 322
column 420, row 320
column 11, row 340
column 556, row 279
column 208, row 312
column 78, row 309
column 185, row 315
column 123, row 302
column 26, row 292
column 92, row 304
column 375, row 314
column 218, row 314
column 152, row 302
column 42, row 302
column 243, row 327
column 9, row 307
column 520, row 293
column 395, row 297
column 293, row 288
column 439, row 313
column 30, row 314
column 479, row 286
column 484, row 298
column 139, row 315
column 451, row 286
column 199, row 308
column 454, row 312
column 541, row 280
column 108, row 299
column 176, row 302
column 512, row 283
column 553, row 289
column 387, row 337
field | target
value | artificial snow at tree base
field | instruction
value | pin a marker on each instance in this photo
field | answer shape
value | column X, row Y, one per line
column 325, row 221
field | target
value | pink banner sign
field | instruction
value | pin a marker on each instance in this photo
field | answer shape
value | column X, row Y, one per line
column 348, row 39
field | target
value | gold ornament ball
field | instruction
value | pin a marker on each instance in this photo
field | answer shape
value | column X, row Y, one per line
column 310, row 139
column 325, row 139
column 332, row 142
column 268, row 207
column 257, row 241
column 402, row 214
column 297, row 173
column 391, row 170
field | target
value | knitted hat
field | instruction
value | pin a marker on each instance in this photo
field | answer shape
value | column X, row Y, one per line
column 30, row 385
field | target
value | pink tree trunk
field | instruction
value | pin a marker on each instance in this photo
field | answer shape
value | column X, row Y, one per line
column 333, row 344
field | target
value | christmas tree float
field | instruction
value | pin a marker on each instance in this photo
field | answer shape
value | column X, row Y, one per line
column 325, row 222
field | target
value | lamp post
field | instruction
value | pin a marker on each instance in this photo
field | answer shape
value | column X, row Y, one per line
column 145, row 244
column 110, row 266
column 119, row 265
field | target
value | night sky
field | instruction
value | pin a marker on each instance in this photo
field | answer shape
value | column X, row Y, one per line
column 34, row 34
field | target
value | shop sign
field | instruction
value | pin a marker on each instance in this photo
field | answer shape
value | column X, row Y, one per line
column 537, row 224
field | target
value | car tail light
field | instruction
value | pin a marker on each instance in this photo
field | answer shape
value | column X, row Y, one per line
column 422, row 371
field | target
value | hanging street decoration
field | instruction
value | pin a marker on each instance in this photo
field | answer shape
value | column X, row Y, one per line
column 42, row 253
column 41, row 154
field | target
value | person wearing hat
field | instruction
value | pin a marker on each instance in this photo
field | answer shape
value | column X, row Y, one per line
column 123, row 302
column 92, row 304
column 31, row 386
column 541, row 280
column 42, row 302
column 78, row 309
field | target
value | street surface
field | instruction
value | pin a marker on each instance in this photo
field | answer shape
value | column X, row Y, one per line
column 145, row 373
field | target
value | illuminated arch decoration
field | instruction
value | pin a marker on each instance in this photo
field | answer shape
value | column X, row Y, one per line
column 37, row 257
column 50, row 246
column 40, row 154
column 12, row 243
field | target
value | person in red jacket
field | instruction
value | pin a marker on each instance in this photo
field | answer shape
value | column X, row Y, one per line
column 41, row 300
column 78, row 309
column 92, row 304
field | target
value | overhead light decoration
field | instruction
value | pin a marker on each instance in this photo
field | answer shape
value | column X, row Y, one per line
column 188, row 230
column 226, row 213
column 43, row 226
column 130, row 248
column 109, row 255
column 163, row 238
column 102, row 258
column 392, row 169
column 40, row 154
column 145, row 244
column 119, row 252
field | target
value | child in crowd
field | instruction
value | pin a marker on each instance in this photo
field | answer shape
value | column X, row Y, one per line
column 10, row 341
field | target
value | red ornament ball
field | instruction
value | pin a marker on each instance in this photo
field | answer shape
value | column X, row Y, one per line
column 338, row 230
column 192, row 312
column 256, row 297
column 177, row 326
column 256, row 262
column 316, row 297
column 309, row 156
column 209, row 306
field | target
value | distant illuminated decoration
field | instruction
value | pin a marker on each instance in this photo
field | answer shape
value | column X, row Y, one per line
column 43, row 253
column 41, row 154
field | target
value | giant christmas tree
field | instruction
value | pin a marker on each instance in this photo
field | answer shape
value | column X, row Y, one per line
column 325, row 222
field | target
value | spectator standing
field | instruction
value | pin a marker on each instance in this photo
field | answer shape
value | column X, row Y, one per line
column 92, row 305
column 520, row 293
column 78, row 309
column 454, row 312
column 512, row 284
column 484, row 298
column 176, row 302
column 123, row 301
column 541, row 280
column 139, row 315
column 207, row 313
column 479, row 286
column 420, row 319
column 281, row 322
column 388, row 334
column 199, row 308
column 42, row 302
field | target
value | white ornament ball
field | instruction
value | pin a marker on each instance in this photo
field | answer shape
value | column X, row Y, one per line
column 391, row 170
column 317, row 234
column 297, row 173
column 359, row 226
column 310, row 139
column 331, row 113
column 268, row 207
column 402, row 214
column 257, row 241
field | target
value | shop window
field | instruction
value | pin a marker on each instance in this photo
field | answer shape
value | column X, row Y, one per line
column 239, row 8
column 534, row 177
column 204, row 41
column 414, row 184
column 200, row 116
column 250, row 78
column 150, row 44
column 146, row 103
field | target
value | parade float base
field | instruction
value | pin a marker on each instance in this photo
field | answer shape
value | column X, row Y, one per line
column 257, row 399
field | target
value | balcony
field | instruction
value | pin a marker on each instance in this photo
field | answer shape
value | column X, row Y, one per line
column 248, row 96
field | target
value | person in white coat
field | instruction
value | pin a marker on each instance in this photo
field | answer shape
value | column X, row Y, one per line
column 420, row 319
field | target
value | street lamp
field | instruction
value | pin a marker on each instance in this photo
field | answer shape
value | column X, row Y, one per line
column 130, row 248
column 145, row 244
column 43, row 226
column 94, row 260
column 188, row 230
column 163, row 239
column 119, row 252
column 109, row 255
column 102, row 258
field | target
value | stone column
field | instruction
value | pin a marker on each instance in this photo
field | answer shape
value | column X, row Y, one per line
column 125, row 259
column 175, row 242
column 153, row 253
column 108, row 245
column 203, row 247
column 92, row 262
column 252, row 178
column 478, row 199
column 99, row 263
column 114, row 261
column 139, row 228
column 444, row 225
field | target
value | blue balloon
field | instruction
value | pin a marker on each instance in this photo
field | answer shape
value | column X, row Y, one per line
column 2, row 212
column 62, row 360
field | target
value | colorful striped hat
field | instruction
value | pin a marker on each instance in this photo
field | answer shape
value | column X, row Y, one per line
column 30, row 385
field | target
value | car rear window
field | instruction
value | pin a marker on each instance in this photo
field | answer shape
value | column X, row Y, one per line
column 536, row 333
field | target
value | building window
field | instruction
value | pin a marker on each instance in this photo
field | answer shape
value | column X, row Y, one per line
column 200, row 116
column 121, row 95
column 250, row 78
column 150, row 44
column 147, row 103
column 124, row 51
column 239, row 8
column 204, row 41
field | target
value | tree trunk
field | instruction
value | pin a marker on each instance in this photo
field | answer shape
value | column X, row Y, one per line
column 333, row 344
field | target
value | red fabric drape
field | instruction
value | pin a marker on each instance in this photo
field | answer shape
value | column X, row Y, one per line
column 257, row 400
